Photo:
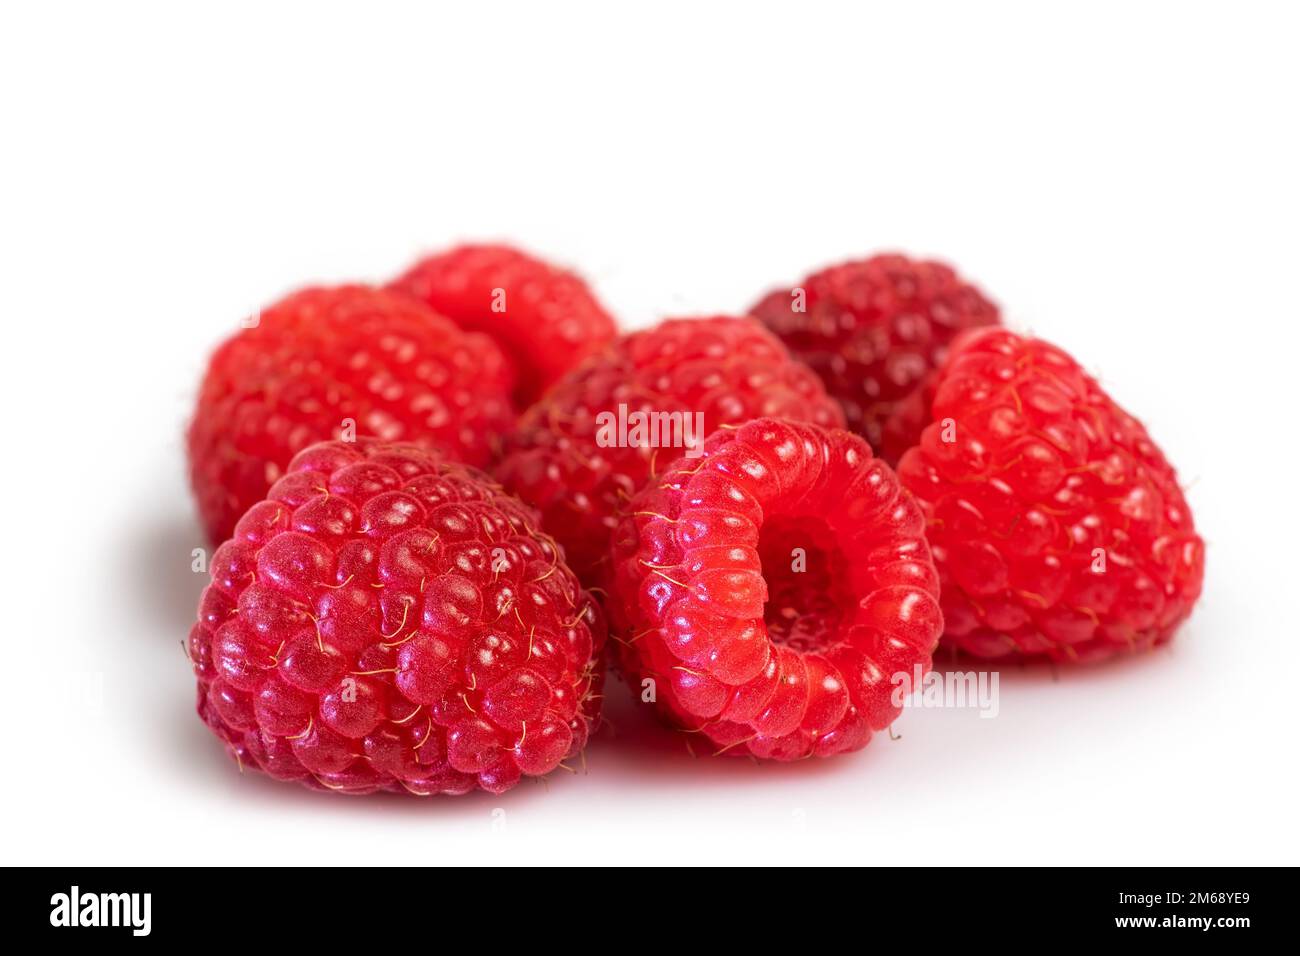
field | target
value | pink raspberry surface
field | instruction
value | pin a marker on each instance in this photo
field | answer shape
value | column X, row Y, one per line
column 544, row 318
column 1058, row 527
column 729, row 369
column 386, row 621
column 759, row 653
column 326, row 357
column 874, row 330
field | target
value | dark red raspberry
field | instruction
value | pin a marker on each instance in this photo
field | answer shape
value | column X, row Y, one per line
column 761, row 654
column 545, row 319
column 322, row 358
column 729, row 369
column 386, row 622
column 874, row 330
column 1058, row 527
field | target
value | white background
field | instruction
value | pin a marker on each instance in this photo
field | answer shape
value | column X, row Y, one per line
column 1121, row 178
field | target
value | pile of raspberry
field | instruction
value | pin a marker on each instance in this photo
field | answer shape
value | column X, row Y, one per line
column 432, row 500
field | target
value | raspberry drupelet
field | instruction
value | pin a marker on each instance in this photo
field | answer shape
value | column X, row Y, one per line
column 324, row 362
column 730, row 370
column 387, row 621
column 874, row 330
column 1058, row 527
column 544, row 318
column 772, row 589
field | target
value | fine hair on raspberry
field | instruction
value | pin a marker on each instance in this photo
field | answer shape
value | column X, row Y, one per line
column 388, row 621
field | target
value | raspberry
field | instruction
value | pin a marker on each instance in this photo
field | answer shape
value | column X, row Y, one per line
column 384, row 621
column 759, row 654
column 728, row 369
column 1058, row 527
column 874, row 330
column 322, row 357
column 545, row 319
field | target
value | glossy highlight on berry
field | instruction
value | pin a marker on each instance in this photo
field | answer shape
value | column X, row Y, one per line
column 875, row 330
column 772, row 588
column 545, row 319
column 1059, row 529
column 339, row 362
column 728, row 369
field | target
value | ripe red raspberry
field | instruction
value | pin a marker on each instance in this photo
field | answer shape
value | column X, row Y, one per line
column 759, row 653
column 545, row 319
column 384, row 621
column 728, row 369
column 1057, row 525
column 874, row 330
column 322, row 358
